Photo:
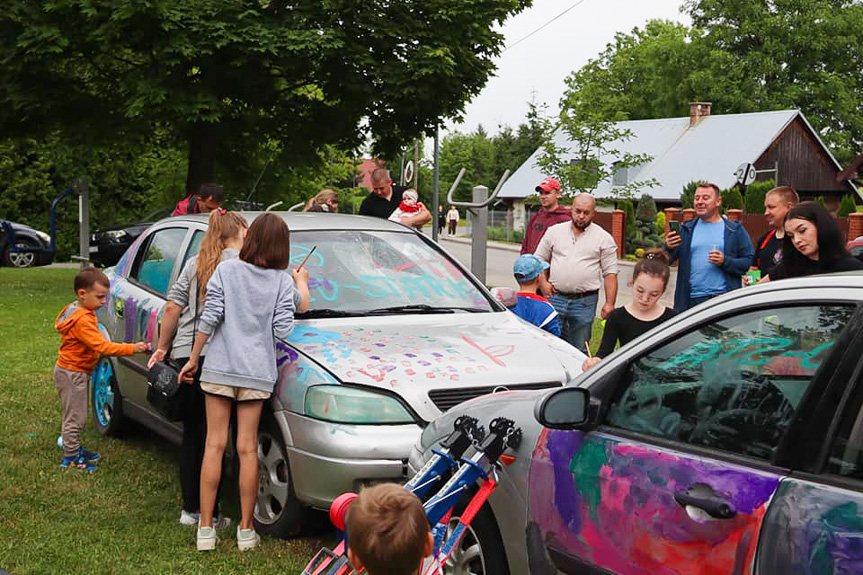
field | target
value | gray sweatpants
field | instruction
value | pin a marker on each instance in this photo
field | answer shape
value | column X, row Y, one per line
column 72, row 387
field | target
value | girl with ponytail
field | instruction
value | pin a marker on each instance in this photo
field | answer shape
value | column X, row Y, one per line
column 223, row 241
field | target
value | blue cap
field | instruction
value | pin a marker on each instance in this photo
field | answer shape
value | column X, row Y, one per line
column 528, row 267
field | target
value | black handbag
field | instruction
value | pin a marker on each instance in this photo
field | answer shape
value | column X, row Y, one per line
column 165, row 392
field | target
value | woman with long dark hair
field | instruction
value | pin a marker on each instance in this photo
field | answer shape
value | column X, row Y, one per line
column 812, row 245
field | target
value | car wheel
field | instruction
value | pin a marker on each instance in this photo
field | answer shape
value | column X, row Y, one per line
column 481, row 551
column 21, row 259
column 277, row 511
column 107, row 402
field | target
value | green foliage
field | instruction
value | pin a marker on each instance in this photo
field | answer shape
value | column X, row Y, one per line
column 581, row 149
column 741, row 56
column 732, row 199
column 780, row 55
column 753, row 200
column 226, row 78
column 125, row 183
column 645, row 224
column 687, row 196
column 631, row 225
column 485, row 158
column 503, row 234
column 660, row 224
column 847, row 206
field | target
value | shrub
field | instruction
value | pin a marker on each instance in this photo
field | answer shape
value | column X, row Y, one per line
column 645, row 234
column 732, row 199
column 627, row 208
column 753, row 200
column 660, row 224
column 847, row 206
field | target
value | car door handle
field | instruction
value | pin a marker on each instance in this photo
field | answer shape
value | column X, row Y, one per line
column 706, row 500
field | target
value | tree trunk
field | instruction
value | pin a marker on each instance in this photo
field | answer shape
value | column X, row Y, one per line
column 202, row 156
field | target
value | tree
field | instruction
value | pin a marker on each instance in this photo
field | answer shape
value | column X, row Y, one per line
column 803, row 54
column 580, row 149
column 227, row 76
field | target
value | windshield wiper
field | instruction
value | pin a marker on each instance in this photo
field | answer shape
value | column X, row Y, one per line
column 422, row 308
column 326, row 312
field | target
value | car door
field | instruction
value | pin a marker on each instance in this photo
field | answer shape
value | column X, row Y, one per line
column 814, row 524
column 138, row 305
column 680, row 473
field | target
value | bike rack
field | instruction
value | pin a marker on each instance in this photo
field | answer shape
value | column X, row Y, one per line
column 479, row 222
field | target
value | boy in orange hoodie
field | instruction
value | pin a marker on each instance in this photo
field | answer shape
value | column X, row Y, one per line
column 81, row 345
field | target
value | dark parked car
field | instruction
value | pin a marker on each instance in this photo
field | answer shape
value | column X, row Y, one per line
column 107, row 246
column 25, row 237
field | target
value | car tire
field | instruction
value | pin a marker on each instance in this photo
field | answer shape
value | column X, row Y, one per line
column 106, row 401
column 278, row 511
column 481, row 551
column 21, row 260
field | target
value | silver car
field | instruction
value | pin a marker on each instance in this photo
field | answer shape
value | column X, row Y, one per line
column 729, row 440
column 398, row 333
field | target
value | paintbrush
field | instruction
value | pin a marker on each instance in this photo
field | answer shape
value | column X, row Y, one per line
column 311, row 251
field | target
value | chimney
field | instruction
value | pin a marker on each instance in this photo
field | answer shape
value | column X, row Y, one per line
column 698, row 110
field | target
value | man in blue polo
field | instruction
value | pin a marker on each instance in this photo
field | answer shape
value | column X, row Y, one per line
column 713, row 252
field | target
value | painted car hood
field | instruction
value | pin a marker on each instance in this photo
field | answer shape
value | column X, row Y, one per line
column 412, row 355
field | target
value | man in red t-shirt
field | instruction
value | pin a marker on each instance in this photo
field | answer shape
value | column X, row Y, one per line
column 208, row 198
column 550, row 214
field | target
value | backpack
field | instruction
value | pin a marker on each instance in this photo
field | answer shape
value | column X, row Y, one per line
column 188, row 205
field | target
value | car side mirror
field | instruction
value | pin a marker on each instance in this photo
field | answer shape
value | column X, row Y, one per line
column 505, row 295
column 564, row 408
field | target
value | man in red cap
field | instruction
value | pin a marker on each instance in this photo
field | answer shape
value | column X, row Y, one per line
column 550, row 214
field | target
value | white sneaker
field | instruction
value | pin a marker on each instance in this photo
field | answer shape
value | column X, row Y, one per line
column 222, row 522
column 247, row 539
column 207, row 539
column 187, row 518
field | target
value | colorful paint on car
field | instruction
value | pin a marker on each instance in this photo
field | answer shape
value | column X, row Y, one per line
column 613, row 506
column 812, row 529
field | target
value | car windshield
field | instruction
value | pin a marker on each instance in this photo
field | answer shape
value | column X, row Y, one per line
column 369, row 272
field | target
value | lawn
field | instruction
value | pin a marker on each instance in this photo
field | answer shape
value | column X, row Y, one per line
column 121, row 519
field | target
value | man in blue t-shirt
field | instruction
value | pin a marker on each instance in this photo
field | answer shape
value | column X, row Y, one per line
column 714, row 252
column 531, row 306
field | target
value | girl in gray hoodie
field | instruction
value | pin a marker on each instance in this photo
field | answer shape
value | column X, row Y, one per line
column 249, row 304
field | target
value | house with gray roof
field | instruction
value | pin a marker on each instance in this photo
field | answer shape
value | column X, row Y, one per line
column 782, row 146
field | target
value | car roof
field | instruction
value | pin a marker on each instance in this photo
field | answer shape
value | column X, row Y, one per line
column 300, row 221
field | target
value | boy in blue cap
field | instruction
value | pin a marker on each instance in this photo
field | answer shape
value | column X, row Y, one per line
column 531, row 306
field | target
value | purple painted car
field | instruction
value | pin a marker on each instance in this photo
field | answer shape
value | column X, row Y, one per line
column 397, row 333
column 727, row 441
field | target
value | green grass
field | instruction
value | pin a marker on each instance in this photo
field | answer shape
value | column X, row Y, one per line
column 121, row 519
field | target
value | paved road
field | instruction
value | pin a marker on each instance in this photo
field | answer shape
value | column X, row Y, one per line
column 500, row 258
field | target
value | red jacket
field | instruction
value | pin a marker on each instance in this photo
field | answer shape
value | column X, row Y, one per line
column 539, row 222
column 188, row 205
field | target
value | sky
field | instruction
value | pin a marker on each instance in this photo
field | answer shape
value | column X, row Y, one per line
column 535, row 67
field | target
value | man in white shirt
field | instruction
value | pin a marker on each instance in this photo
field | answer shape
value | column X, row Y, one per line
column 582, row 256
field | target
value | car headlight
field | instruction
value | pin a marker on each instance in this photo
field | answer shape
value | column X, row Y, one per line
column 116, row 235
column 44, row 237
column 343, row 404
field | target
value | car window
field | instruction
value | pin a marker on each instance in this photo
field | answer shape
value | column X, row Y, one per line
column 846, row 453
column 194, row 246
column 360, row 270
column 155, row 262
column 734, row 383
